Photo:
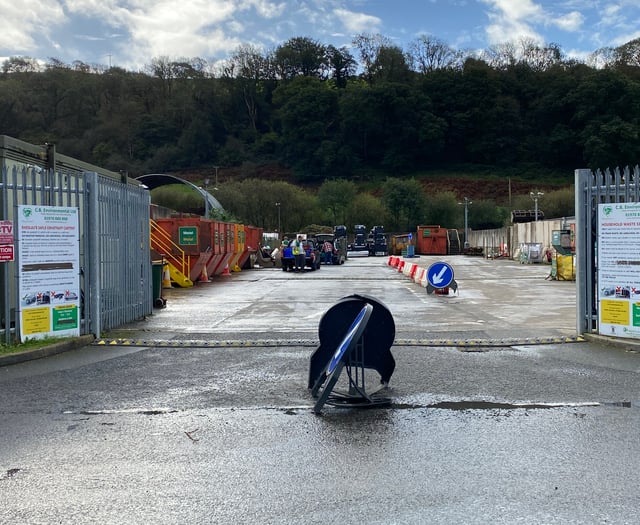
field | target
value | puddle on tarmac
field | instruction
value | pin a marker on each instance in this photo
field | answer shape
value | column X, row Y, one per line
column 490, row 405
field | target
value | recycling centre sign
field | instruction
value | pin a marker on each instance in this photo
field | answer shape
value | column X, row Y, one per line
column 619, row 269
column 49, row 276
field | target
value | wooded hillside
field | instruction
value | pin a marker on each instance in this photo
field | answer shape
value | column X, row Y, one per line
column 306, row 112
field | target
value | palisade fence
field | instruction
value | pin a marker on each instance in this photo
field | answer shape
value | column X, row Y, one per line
column 115, row 267
column 592, row 189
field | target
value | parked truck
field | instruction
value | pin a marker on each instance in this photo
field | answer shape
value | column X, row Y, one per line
column 377, row 241
column 359, row 247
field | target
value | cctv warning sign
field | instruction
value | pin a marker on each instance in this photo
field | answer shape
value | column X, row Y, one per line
column 6, row 241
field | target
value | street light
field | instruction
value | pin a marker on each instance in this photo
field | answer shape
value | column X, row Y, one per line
column 535, row 195
column 466, row 203
column 206, row 197
column 278, row 206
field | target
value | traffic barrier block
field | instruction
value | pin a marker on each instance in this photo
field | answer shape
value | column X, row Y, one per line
column 400, row 266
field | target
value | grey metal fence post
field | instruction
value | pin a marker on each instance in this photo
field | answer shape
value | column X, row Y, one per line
column 583, row 248
column 92, row 256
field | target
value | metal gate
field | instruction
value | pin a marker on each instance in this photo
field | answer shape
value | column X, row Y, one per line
column 591, row 189
column 115, row 266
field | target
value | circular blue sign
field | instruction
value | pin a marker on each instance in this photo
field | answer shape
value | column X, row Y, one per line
column 440, row 275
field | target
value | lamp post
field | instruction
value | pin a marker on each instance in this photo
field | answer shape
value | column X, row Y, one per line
column 206, row 197
column 466, row 203
column 535, row 195
column 278, row 206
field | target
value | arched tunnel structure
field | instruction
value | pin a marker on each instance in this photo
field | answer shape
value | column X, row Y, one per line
column 155, row 180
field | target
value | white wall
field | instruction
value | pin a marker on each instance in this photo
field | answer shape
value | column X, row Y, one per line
column 516, row 234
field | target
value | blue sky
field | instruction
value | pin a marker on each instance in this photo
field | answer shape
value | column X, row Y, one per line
column 130, row 33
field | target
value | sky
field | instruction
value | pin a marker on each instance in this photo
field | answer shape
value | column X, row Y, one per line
column 131, row 33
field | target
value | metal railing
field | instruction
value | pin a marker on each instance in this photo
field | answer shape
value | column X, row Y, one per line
column 114, row 244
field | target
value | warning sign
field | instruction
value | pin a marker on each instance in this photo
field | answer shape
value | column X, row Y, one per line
column 6, row 232
column 6, row 252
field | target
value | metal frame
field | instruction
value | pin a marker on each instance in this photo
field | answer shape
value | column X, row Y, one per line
column 114, row 232
column 591, row 189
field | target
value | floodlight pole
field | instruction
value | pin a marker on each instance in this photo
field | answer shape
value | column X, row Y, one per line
column 466, row 203
column 278, row 206
column 535, row 195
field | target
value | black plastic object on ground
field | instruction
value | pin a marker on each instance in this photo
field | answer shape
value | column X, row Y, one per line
column 373, row 346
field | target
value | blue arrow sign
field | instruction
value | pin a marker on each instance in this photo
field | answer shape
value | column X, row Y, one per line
column 348, row 338
column 440, row 275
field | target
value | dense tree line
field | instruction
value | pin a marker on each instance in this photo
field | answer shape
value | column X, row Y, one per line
column 327, row 113
column 332, row 113
column 402, row 205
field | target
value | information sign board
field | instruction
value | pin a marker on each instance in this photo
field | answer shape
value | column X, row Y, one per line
column 619, row 269
column 188, row 235
column 49, row 276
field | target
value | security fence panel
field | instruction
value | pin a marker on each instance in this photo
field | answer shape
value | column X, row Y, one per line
column 614, row 187
column 30, row 184
column 115, row 265
column 121, row 257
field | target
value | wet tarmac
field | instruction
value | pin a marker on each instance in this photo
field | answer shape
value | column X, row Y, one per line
column 496, row 299
column 210, row 419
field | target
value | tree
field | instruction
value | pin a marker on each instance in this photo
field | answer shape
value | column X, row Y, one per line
column 389, row 124
column 628, row 53
column 443, row 209
column 20, row 64
column 540, row 58
column 247, row 71
column 485, row 215
column 405, row 200
column 308, row 112
column 366, row 209
column 390, row 65
column 342, row 65
column 368, row 46
column 301, row 56
column 336, row 196
column 253, row 201
column 428, row 53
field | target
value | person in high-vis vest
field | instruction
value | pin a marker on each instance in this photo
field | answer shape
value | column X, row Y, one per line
column 297, row 248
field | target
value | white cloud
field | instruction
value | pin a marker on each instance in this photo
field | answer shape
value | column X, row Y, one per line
column 166, row 28
column 513, row 20
column 22, row 21
column 510, row 10
column 610, row 16
column 570, row 22
column 510, row 21
column 356, row 23
column 267, row 9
